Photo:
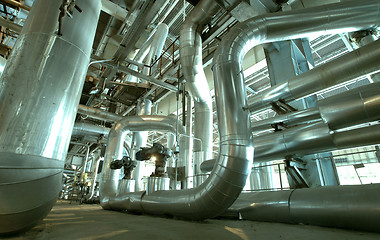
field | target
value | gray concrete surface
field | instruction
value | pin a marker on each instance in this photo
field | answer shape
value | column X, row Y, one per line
column 90, row 222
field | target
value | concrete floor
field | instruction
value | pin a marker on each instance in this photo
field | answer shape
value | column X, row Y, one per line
column 90, row 222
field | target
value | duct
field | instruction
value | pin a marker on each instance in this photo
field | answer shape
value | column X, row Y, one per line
column 10, row 25
column 144, row 107
column 110, row 178
column 151, row 49
column 225, row 183
column 352, row 207
column 359, row 105
column 236, row 152
column 362, row 61
column 81, row 128
column 36, row 120
column 98, row 114
column 314, row 138
column 304, row 140
column 192, row 67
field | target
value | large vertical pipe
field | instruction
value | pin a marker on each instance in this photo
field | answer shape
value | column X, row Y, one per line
column 144, row 107
column 192, row 66
column 39, row 94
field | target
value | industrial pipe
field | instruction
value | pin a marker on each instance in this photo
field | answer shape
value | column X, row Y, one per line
column 110, row 178
column 192, row 66
column 98, row 114
column 314, row 138
column 352, row 207
column 81, row 128
column 40, row 91
column 230, row 172
column 356, row 106
column 304, row 140
column 360, row 62
column 144, row 107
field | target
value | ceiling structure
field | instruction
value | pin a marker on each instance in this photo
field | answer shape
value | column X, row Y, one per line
column 124, row 26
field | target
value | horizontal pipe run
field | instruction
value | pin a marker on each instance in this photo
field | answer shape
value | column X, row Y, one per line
column 314, row 138
column 142, row 76
column 98, row 114
column 305, row 140
column 81, row 128
column 289, row 119
column 360, row 62
column 356, row 106
column 351, row 207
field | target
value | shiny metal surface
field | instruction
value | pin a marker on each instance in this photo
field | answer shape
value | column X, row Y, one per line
column 289, row 119
column 192, row 67
column 314, row 138
column 352, row 207
column 137, row 74
column 156, row 184
column 356, row 106
column 126, row 186
column 98, row 114
column 144, row 107
column 81, row 128
column 150, row 50
column 39, row 94
column 261, row 177
column 360, row 62
column 110, row 178
column 229, row 175
column 189, row 169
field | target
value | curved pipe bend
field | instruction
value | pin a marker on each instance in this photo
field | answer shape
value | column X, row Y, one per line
column 230, row 172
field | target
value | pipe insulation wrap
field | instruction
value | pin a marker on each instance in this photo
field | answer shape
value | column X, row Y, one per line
column 192, row 67
column 353, row 207
column 234, row 162
column 39, row 94
column 357, row 63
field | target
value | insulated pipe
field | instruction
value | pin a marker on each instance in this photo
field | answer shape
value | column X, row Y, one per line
column 356, row 106
column 144, row 107
column 230, row 172
column 98, row 114
column 360, row 62
column 81, row 128
column 110, row 178
column 304, row 140
column 40, row 91
column 314, row 138
column 149, row 79
column 156, row 46
column 192, row 66
column 352, row 207
column 150, row 49
column 189, row 167
column 288, row 119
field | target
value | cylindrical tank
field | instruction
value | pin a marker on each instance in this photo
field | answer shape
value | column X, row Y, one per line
column 39, row 93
